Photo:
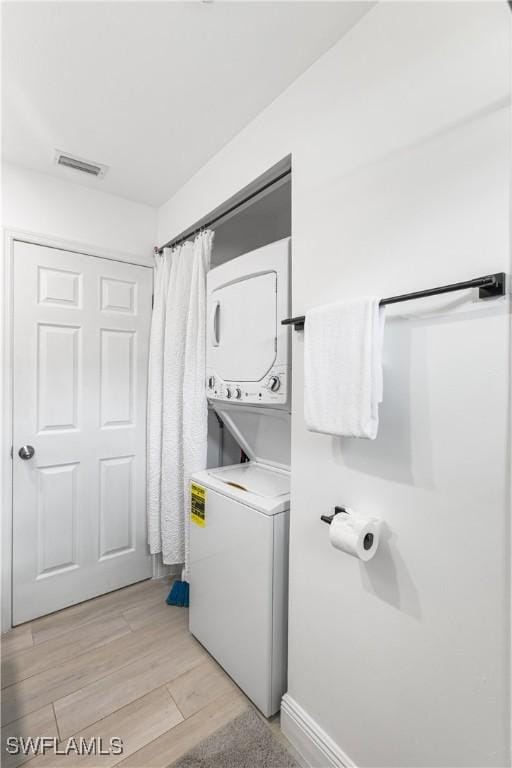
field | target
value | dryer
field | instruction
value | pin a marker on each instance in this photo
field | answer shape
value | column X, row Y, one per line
column 247, row 348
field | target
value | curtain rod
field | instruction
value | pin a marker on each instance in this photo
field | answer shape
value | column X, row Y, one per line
column 490, row 285
column 208, row 224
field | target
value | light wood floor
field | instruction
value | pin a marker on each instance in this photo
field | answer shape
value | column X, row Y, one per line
column 121, row 665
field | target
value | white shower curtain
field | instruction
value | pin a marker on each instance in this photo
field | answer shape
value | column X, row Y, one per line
column 155, row 389
column 177, row 405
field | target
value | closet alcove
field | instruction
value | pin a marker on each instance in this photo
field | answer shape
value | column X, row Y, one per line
column 262, row 221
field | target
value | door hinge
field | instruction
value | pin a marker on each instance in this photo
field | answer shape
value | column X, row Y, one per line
column 12, row 451
column 152, row 301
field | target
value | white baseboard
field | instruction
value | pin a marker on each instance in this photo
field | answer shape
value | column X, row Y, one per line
column 315, row 746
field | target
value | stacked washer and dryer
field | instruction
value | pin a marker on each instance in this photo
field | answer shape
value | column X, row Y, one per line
column 240, row 514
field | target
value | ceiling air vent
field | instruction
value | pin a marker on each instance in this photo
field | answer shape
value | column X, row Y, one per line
column 77, row 164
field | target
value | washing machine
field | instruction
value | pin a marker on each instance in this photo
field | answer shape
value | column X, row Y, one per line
column 239, row 515
column 239, row 557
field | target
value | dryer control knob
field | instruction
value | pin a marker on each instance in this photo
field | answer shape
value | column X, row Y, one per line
column 238, row 393
column 211, row 382
column 228, row 393
column 274, row 383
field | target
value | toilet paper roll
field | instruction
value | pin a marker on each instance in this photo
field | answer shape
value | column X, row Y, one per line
column 357, row 536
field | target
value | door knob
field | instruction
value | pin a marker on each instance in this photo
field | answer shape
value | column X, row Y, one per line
column 26, row 452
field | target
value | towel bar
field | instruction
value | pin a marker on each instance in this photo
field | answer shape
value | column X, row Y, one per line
column 489, row 285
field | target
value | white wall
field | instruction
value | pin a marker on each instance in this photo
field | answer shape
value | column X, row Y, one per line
column 400, row 150
column 39, row 203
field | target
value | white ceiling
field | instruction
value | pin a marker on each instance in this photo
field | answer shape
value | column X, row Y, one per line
column 151, row 89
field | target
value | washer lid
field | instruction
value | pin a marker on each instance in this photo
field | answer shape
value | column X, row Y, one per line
column 254, row 478
column 263, row 433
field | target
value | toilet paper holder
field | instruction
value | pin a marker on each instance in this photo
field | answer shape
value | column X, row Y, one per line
column 368, row 539
column 337, row 511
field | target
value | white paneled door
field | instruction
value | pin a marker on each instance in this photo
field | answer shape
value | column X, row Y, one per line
column 81, row 333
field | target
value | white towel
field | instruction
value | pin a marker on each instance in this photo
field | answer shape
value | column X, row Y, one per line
column 343, row 368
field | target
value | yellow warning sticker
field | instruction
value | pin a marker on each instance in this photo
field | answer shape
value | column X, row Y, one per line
column 198, row 505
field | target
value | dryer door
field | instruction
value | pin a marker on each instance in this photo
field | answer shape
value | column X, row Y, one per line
column 242, row 328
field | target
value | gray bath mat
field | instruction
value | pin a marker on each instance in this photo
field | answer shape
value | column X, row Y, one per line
column 246, row 742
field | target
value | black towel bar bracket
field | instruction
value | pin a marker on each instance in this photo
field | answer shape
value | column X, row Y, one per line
column 489, row 287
